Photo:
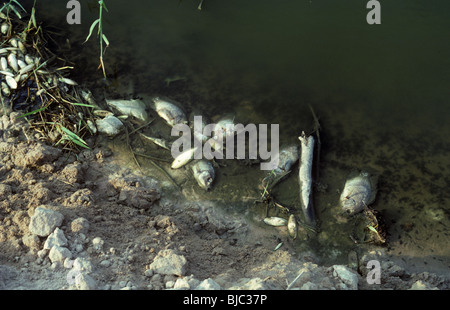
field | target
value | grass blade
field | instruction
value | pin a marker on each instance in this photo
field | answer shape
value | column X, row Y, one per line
column 82, row 104
column 91, row 29
column 74, row 138
column 32, row 112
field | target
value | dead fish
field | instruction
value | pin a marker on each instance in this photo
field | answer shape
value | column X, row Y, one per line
column 102, row 113
column 133, row 107
column 288, row 156
column 198, row 130
column 110, row 125
column 183, row 158
column 67, row 81
column 3, row 64
column 4, row 28
column 225, row 127
column 304, row 176
column 26, row 69
column 169, row 111
column 11, row 82
column 292, row 226
column 275, row 221
column 160, row 142
column 204, row 173
column 359, row 191
column 5, row 89
column 12, row 61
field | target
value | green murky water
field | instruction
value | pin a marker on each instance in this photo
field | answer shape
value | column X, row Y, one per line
column 381, row 92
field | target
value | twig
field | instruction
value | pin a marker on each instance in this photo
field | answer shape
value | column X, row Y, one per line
column 295, row 280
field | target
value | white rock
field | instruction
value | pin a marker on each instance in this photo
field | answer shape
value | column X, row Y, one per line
column 55, row 238
column 44, row 221
column 347, row 276
column 170, row 284
column 181, row 284
column 208, row 284
column 82, row 264
column 169, row 263
column 59, row 254
column 97, row 243
column 85, row 282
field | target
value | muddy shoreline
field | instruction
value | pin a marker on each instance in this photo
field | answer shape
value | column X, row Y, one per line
column 130, row 224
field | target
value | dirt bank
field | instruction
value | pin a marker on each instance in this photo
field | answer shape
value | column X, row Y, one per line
column 122, row 231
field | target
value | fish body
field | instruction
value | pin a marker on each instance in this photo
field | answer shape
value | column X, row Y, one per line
column 160, row 142
column 183, row 158
column 275, row 221
column 292, row 226
column 133, row 107
column 304, row 176
column 169, row 111
column 359, row 191
column 225, row 127
column 110, row 125
column 204, row 173
column 288, row 156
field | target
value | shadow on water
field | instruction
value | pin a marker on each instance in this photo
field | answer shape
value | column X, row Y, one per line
column 381, row 93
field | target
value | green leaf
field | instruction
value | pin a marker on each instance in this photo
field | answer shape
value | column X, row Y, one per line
column 16, row 2
column 105, row 39
column 82, row 104
column 372, row 229
column 32, row 112
column 91, row 29
column 73, row 137
column 15, row 11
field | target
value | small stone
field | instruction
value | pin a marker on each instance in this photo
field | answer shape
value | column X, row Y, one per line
column 347, row 276
column 105, row 263
column 170, row 284
column 42, row 253
column 59, row 254
column 97, row 243
column 31, row 241
column 148, row 273
column 181, row 284
column 55, row 238
column 44, row 221
column 208, row 284
column 80, row 225
column 169, row 263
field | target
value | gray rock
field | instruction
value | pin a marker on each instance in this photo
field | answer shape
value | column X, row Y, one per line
column 250, row 284
column 309, row 286
column 208, row 284
column 169, row 263
column 59, row 254
column 55, row 238
column 44, row 221
column 347, row 276
column 85, row 282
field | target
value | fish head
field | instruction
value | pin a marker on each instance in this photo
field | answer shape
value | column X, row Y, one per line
column 205, row 181
column 349, row 205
